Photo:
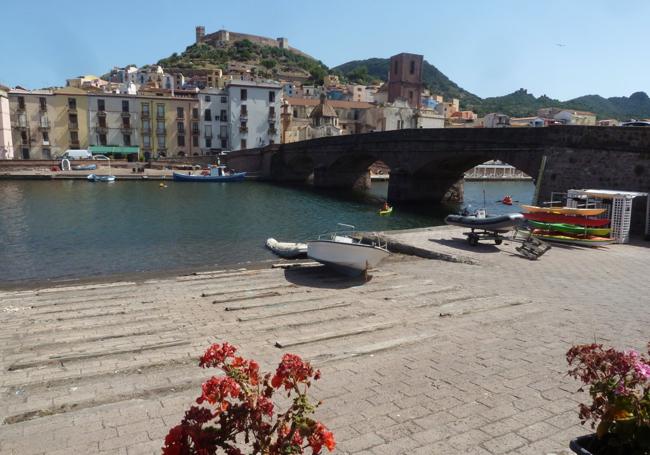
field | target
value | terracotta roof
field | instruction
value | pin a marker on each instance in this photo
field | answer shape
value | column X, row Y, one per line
column 336, row 104
column 323, row 110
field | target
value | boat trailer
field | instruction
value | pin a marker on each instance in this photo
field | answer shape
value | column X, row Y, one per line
column 531, row 247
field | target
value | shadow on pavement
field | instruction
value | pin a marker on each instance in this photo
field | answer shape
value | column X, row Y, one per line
column 486, row 246
column 322, row 277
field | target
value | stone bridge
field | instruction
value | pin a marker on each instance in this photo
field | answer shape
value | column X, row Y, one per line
column 425, row 163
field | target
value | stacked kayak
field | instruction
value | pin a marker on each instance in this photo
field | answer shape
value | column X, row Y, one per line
column 569, row 225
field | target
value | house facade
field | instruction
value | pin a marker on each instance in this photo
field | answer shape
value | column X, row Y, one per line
column 6, row 139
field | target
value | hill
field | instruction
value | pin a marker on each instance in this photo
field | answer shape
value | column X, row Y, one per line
column 366, row 71
column 267, row 61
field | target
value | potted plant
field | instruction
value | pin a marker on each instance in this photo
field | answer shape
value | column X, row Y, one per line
column 239, row 415
column 619, row 386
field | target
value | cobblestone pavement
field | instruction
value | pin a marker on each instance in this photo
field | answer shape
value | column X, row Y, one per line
column 428, row 357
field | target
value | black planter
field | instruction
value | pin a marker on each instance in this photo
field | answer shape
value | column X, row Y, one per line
column 583, row 444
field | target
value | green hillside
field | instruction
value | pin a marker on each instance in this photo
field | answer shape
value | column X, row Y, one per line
column 268, row 60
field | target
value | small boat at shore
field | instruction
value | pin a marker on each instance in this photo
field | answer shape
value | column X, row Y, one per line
column 213, row 174
column 84, row 167
column 569, row 228
column 288, row 250
column 591, row 241
column 347, row 254
column 566, row 219
column 100, row 178
column 562, row 210
column 499, row 223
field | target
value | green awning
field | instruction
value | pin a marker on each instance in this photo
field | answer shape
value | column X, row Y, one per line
column 116, row 150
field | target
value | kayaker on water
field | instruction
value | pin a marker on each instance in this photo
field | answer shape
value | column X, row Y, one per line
column 385, row 207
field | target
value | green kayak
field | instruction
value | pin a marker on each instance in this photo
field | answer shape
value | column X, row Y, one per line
column 568, row 228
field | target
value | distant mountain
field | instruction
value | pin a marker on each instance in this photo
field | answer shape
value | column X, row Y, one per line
column 365, row 71
column 516, row 104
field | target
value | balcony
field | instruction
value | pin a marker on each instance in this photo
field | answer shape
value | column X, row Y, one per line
column 144, row 114
column 161, row 131
column 101, row 113
column 126, row 129
column 160, row 116
column 74, row 144
column 72, row 110
column 243, row 129
column 273, row 131
column 73, row 126
column 101, row 129
column 146, row 131
column 44, row 126
column 125, row 114
column 243, row 116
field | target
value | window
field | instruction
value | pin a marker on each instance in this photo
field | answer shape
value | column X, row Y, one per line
column 146, row 126
column 125, row 105
column 72, row 119
column 223, row 115
column 195, row 128
column 47, row 154
column 195, row 113
column 72, row 103
column 412, row 68
column 411, row 94
column 46, row 137
column 146, row 141
column 21, row 103
column 242, row 144
column 161, row 142
column 208, row 131
column 180, row 112
column 101, row 121
column 74, row 137
column 102, row 139
column 145, row 109
column 244, row 94
column 208, row 142
column 180, row 140
column 101, row 105
column 207, row 98
column 224, row 100
column 207, row 115
column 180, row 127
column 160, row 110
column 195, row 141
column 23, row 136
column 224, row 143
column 160, row 127
column 127, row 139
column 126, row 122
column 244, row 111
column 25, row 153
column 43, row 103
column 295, row 113
column 271, row 97
column 272, row 111
column 396, row 66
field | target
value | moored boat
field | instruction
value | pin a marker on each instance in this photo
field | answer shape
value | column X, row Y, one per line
column 287, row 250
column 349, row 255
column 562, row 210
column 569, row 228
column 215, row 174
column 567, row 219
column 499, row 223
column 84, row 167
column 100, row 178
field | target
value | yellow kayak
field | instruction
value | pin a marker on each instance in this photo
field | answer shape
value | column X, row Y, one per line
column 386, row 212
column 562, row 210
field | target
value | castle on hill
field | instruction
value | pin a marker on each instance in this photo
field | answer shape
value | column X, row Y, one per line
column 221, row 38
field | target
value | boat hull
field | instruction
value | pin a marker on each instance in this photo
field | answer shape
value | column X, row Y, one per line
column 503, row 223
column 562, row 210
column 581, row 241
column 236, row 177
column 386, row 212
column 101, row 178
column 287, row 249
column 569, row 228
column 567, row 219
column 85, row 167
column 349, row 258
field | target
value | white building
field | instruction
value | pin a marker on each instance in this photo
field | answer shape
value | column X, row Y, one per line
column 6, row 141
column 245, row 114
column 496, row 120
column 113, row 120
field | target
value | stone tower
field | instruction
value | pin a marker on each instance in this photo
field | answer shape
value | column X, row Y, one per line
column 405, row 78
column 200, row 34
column 283, row 43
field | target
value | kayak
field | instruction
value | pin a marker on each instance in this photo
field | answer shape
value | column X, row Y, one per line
column 566, row 219
column 569, row 228
column 388, row 211
column 592, row 241
column 562, row 210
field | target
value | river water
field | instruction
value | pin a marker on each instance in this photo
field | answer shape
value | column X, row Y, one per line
column 56, row 230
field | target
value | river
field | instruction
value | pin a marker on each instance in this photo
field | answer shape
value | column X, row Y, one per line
column 57, row 230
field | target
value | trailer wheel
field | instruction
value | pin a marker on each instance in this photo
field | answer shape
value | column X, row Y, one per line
column 498, row 241
column 472, row 239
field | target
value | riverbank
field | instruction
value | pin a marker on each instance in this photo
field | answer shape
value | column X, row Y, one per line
column 426, row 357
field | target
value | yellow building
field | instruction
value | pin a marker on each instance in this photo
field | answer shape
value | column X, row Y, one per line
column 69, row 118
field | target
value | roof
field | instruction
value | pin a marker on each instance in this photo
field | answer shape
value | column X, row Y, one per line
column 324, row 109
column 239, row 83
column 336, row 104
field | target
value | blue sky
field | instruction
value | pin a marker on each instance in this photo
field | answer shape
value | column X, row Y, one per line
column 490, row 48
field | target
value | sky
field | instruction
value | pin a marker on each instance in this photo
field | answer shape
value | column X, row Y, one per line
column 561, row 48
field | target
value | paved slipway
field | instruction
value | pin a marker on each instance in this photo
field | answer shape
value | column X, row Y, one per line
column 428, row 357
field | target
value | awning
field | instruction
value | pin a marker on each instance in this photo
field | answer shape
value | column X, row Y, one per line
column 116, row 150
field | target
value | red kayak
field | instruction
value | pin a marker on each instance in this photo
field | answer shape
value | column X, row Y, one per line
column 568, row 219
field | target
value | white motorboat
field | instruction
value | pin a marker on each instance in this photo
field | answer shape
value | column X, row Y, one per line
column 101, row 178
column 287, row 250
column 345, row 253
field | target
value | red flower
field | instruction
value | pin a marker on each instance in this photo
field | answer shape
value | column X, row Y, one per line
column 250, row 368
column 320, row 437
column 291, row 371
column 216, row 355
column 215, row 390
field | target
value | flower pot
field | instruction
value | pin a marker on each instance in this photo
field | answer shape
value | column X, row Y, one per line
column 583, row 445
